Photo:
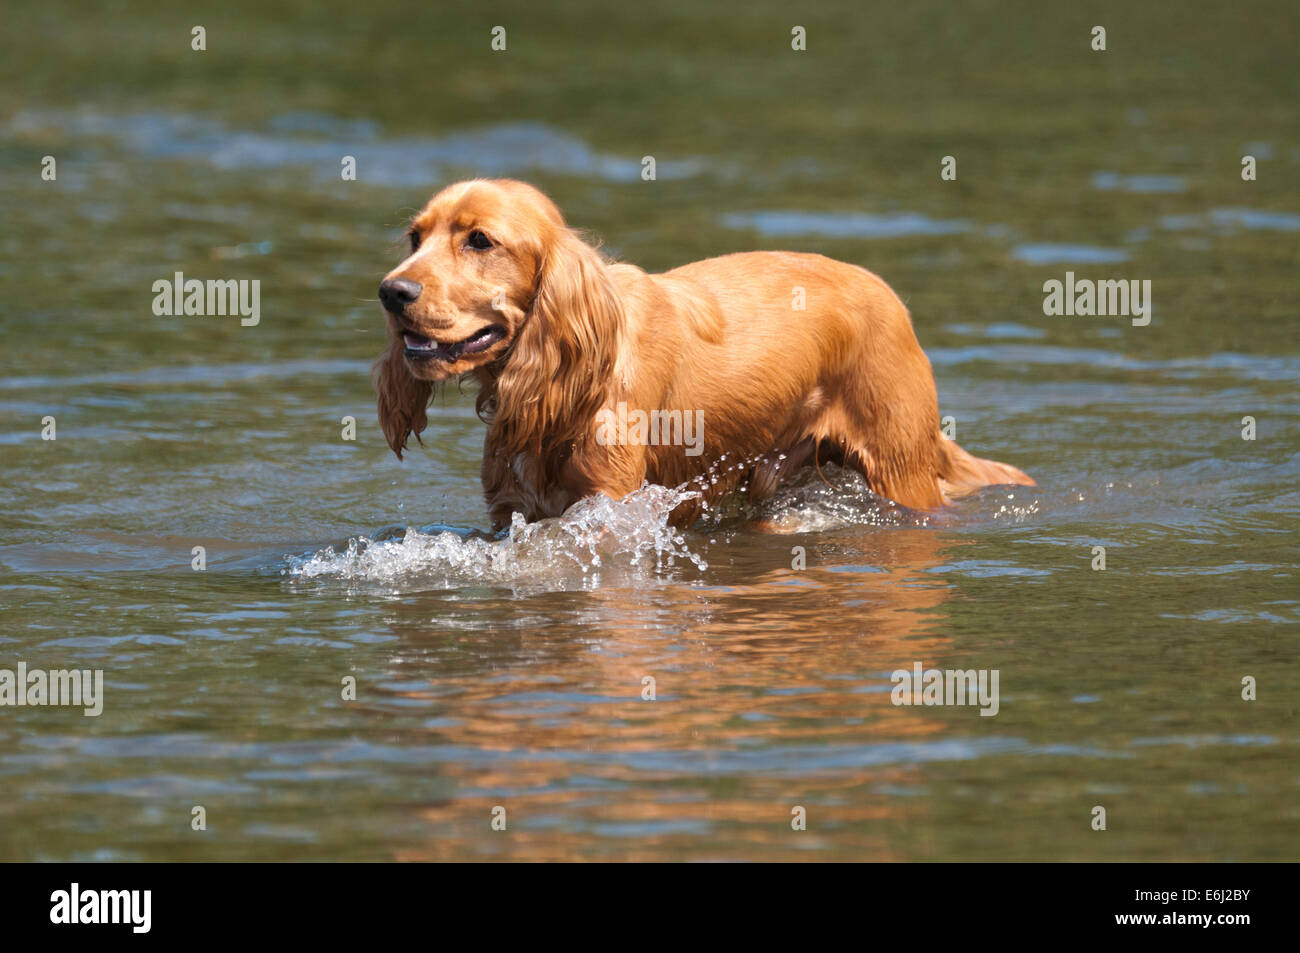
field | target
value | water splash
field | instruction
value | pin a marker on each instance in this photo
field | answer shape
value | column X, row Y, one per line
column 628, row 536
column 599, row 539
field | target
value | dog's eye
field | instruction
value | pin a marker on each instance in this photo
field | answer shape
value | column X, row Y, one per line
column 478, row 241
column 414, row 236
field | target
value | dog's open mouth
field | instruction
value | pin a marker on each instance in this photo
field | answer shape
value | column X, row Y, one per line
column 420, row 347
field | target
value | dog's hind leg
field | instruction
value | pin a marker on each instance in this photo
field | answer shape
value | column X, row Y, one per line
column 905, row 481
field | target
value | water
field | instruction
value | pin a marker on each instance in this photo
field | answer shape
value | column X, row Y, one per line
column 510, row 671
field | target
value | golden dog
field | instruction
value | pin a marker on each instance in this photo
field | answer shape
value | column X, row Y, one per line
column 499, row 288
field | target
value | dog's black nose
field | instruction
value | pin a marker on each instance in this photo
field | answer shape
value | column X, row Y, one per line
column 397, row 293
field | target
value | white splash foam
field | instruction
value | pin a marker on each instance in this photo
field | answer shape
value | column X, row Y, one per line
column 631, row 535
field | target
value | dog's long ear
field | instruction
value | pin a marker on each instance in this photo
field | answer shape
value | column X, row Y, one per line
column 402, row 398
column 563, row 359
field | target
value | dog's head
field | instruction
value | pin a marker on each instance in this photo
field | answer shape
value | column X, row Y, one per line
column 496, row 283
column 458, row 300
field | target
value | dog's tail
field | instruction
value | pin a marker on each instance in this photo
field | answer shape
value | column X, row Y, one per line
column 961, row 473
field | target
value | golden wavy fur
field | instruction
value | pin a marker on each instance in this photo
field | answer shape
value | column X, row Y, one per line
column 497, row 287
